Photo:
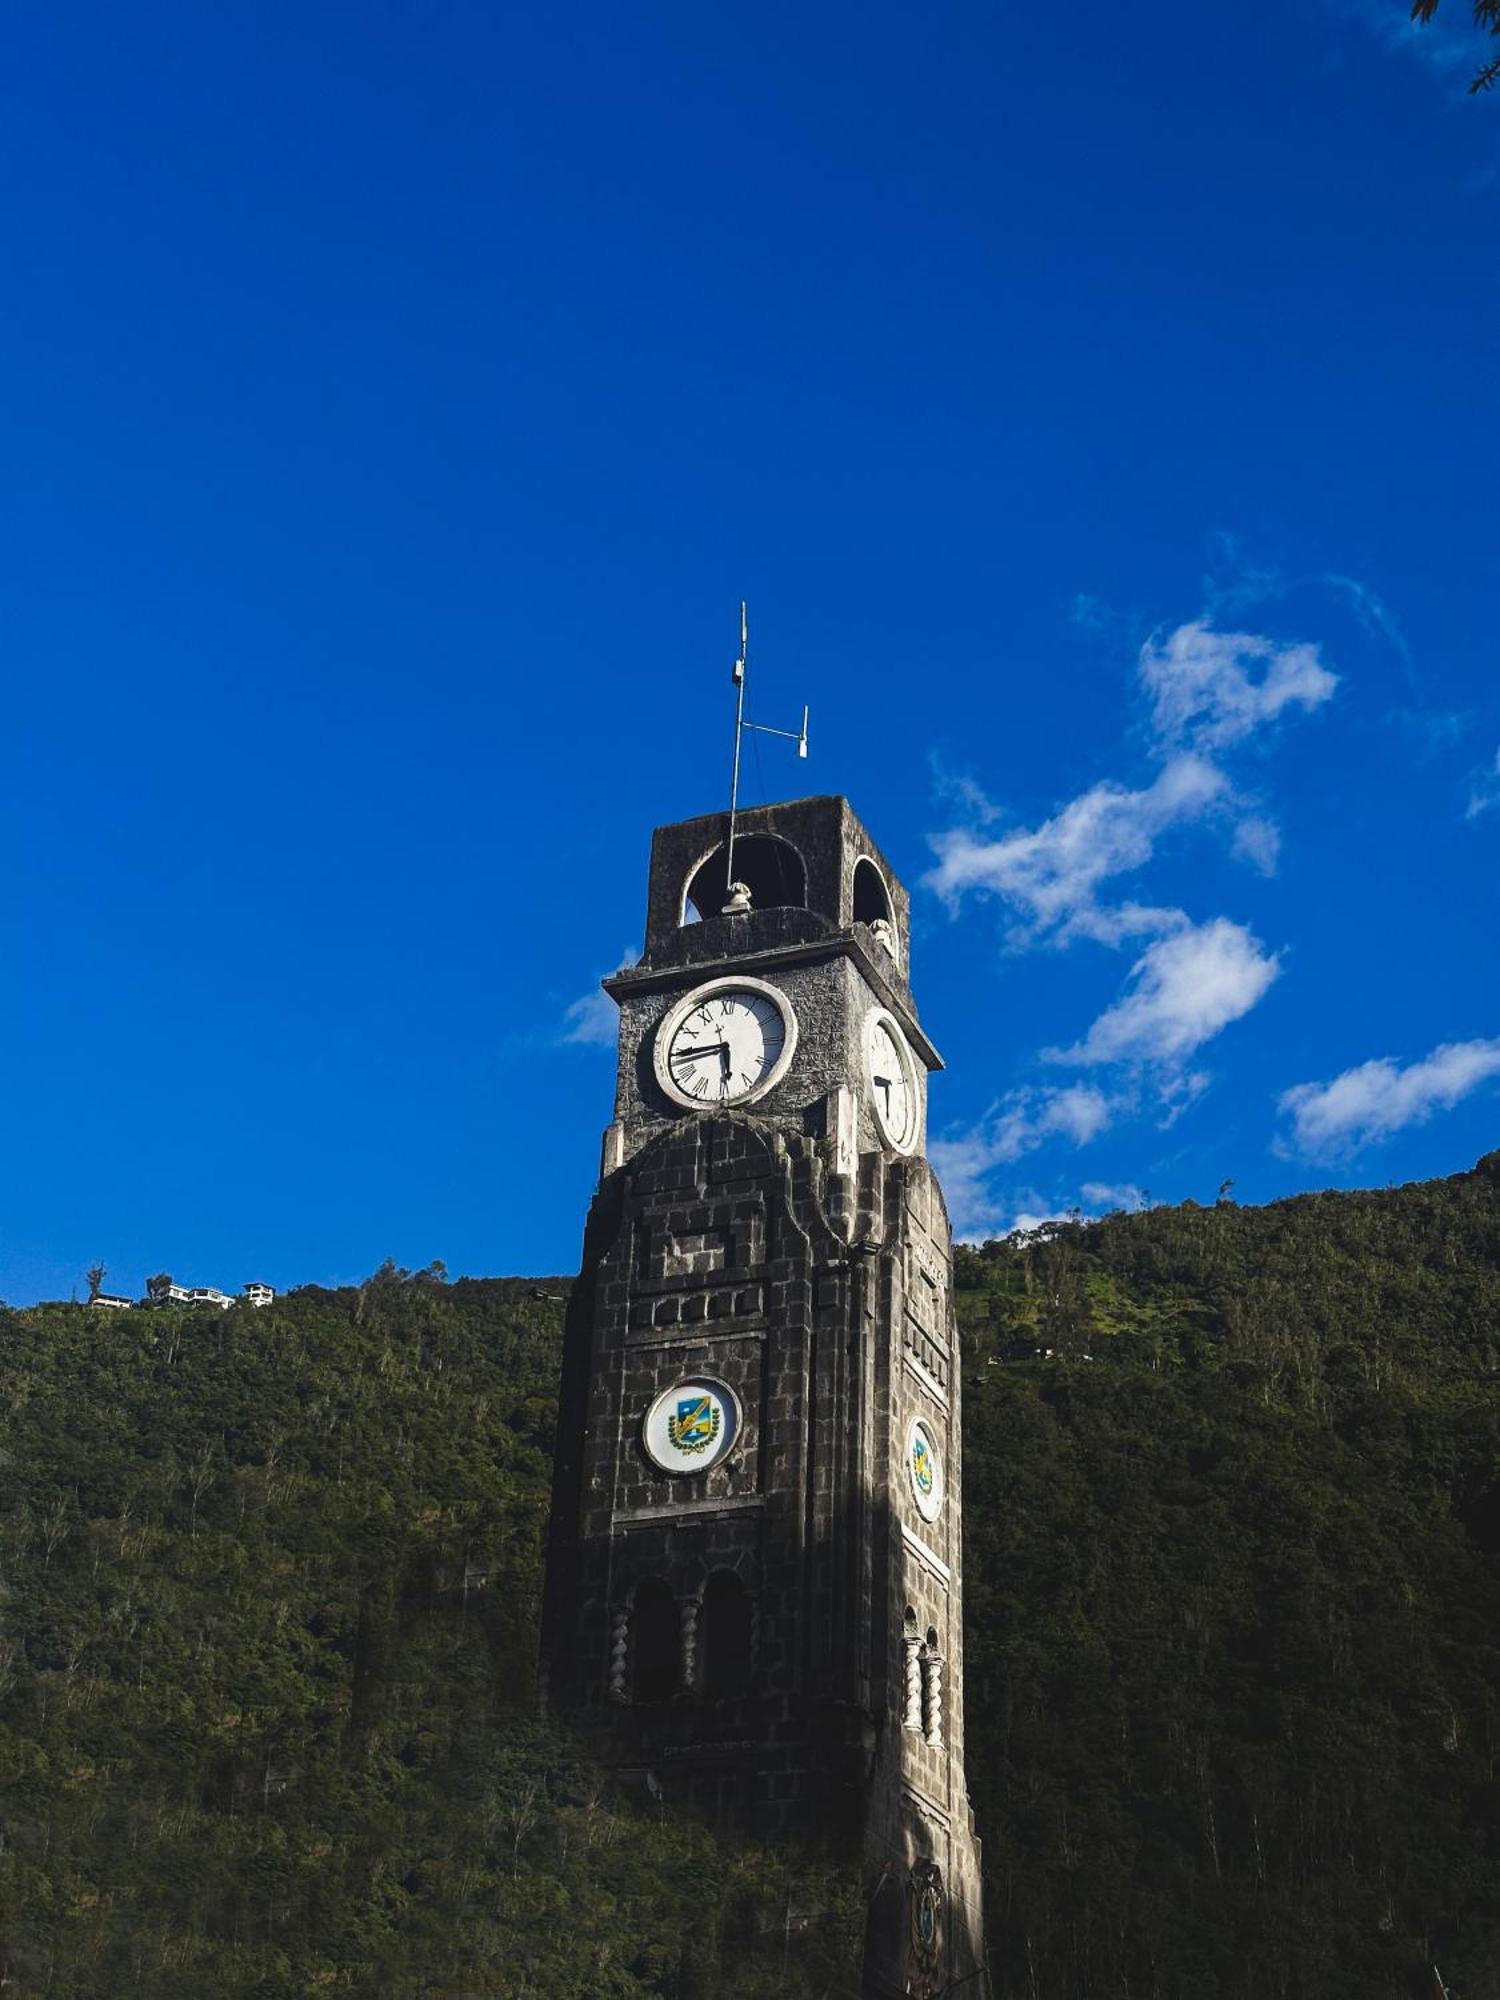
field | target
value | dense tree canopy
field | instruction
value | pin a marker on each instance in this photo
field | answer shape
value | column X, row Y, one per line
column 267, row 1710
column 1486, row 19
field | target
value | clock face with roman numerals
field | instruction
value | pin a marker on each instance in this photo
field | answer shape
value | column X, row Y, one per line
column 893, row 1080
column 726, row 1043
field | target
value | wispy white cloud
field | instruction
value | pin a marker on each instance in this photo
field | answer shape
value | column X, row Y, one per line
column 1104, row 1196
column 1210, row 689
column 1377, row 1098
column 1028, row 1210
column 1433, row 730
column 593, row 1020
column 964, row 791
column 1209, row 692
column 1257, row 841
column 1450, row 42
column 1183, row 990
column 1051, row 874
column 1484, row 791
column 1023, row 1121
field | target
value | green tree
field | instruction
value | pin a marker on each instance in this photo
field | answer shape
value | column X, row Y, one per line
column 1487, row 20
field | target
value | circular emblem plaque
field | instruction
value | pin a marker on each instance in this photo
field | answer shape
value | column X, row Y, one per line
column 926, row 1907
column 691, row 1426
column 925, row 1465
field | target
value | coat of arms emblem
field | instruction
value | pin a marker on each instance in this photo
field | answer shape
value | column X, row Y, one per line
column 925, row 1467
column 925, row 1904
column 921, row 1463
column 691, row 1425
column 695, row 1424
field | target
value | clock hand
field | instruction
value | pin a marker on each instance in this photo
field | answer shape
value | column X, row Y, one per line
column 703, row 1049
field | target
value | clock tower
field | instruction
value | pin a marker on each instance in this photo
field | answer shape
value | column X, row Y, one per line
column 755, row 1572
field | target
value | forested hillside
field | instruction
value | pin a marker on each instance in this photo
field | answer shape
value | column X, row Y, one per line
column 268, row 1723
column 267, row 1718
column 1233, row 1597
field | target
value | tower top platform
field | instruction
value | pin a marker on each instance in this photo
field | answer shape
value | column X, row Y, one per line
column 811, row 869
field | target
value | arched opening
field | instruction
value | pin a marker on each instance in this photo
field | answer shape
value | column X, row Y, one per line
column 655, row 1642
column 726, row 1637
column 770, row 868
column 870, row 899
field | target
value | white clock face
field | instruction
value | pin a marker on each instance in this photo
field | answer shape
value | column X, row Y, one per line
column 892, row 1080
column 725, row 1044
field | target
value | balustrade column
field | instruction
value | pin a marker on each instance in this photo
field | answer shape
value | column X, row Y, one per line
column 619, row 1653
column 932, row 1719
column 691, row 1606
column 911, row 1709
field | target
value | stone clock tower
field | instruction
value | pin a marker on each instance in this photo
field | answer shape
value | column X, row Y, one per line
column 755, row 1574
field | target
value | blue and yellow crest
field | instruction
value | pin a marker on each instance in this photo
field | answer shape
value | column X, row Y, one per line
column 696, row 1423
column 921, row 1464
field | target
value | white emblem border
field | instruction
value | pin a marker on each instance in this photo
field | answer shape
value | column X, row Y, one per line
column 929, row 1505
column 666, row 1028
column 679, row 1466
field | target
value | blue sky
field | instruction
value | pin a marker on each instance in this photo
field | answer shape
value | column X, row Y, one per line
column 1097, row 408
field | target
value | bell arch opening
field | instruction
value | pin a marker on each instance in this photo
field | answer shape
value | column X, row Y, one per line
column 770, row 868
column 871, row 901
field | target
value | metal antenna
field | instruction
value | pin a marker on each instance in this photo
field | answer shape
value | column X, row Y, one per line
column 734, row 906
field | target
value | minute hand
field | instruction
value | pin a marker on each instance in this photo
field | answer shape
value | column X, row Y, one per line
column 703, row 1049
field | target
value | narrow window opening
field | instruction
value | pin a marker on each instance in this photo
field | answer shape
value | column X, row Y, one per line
column 727, row 1636
column 871, row 902
column 655, row 1642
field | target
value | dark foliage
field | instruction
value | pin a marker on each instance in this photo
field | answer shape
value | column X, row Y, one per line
column 1487, row 20
column 1232, row 1531
column 267, row 1715
column 267, row 1701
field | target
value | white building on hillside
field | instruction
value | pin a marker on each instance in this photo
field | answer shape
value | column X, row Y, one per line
column 198, row 1295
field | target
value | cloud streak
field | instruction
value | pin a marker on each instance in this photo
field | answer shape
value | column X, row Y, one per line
column 1212, row 689
column 1019, row 1124
column 593, row 1020
column 1183, row 990
column 1484, row 793
column 1051, row 875
column 1375, row 1099
column 1208, row 694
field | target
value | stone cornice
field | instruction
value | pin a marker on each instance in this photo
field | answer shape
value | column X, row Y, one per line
column 843, row 944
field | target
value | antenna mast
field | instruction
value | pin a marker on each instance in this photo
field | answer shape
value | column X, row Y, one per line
column 736, row 903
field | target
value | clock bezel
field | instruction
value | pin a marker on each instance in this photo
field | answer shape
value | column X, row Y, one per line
column 677, row 1013
column 879, row 1017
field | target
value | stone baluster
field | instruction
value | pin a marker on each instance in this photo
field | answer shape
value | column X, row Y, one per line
column 691, row 1606
column 619, row 1653
column 911, row 1708
column 932, row 1720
